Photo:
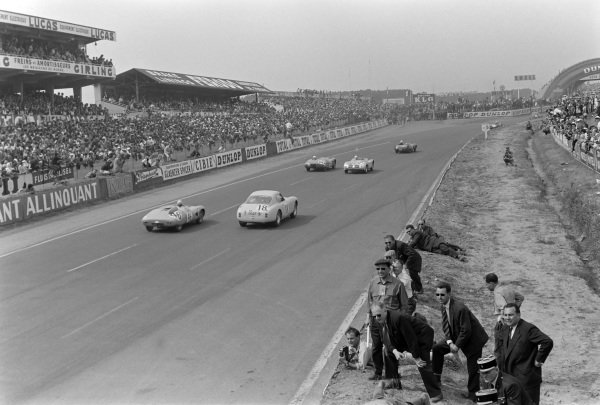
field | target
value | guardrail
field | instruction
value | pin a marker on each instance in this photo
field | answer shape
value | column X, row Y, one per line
column 591, row 160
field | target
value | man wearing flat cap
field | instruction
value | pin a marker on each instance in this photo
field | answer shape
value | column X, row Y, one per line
column 388, row 290
column 505, row 385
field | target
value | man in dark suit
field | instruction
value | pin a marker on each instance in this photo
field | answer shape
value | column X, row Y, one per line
column 406, row 333
column 521, row 349
column 463, row 331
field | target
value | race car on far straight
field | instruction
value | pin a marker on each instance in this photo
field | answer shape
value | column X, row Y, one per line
column 495, row 124
column 321, row 163
column 173, row 216
column 267, row 207
column 403, row 147
column 359, row 164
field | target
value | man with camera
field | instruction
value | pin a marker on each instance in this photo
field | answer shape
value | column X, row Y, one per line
column 356, row 354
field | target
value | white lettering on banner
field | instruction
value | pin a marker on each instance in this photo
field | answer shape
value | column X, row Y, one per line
column 323, row 137
column 453, row 116
column 214, row 82
column 316, row 138
column 47, row 24
column 346, row 131
column 10, row 211
column 305, row 140
column 284, row 145
column 353, row 130
column 255, row 152
column 58, row 199
column 229, row 158
column 591, row 69
column 20, row 63
column 203, row 164
column 338, row 133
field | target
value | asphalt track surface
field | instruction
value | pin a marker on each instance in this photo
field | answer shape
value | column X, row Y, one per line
column 95, row 309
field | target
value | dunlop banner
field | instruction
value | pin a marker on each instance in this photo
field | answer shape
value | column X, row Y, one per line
column 228, row 158
column 255, row 152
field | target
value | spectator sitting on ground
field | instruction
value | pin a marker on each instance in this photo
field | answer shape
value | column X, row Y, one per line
column 433, row 244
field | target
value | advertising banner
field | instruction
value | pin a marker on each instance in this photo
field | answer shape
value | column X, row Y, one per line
column 339, row 133
column 305, row 141
column 203, row 164
column 324, row 137
column 229, row 158
column 175, row 170
column 49, row 175
column 487, row 114
column 284, row 145
column 454, row 116
column 55, row 66
column 255, row 152
column 25, row 206
column 118, row 185
column 148, row 175
column 315, row 138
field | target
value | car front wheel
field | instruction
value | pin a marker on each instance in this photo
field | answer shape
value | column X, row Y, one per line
column 149, row 228
column 242, row 223
column 200, row 217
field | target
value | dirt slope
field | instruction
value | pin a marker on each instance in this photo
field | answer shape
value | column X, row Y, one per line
column 509, row 220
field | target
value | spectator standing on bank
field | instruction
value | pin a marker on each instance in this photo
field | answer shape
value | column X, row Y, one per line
column 462, row 331
column 521, row 350
column 409, row 257
column 390, row 292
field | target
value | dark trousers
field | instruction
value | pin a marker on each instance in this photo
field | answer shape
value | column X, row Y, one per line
column 391, row 364
column 413, row 265
column 432, row 385
column 444, row 249
column 534, row 393
column 441, row 349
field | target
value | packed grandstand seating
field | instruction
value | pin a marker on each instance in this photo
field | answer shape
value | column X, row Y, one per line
column 42, row 49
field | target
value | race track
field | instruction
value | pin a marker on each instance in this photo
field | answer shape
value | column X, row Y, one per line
column 97, row 310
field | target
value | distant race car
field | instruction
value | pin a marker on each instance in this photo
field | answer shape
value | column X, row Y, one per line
column 267, row 207
column 359, row 164
column 403, row 147
column 321, row 163
column 173, row 216
column 495, row 124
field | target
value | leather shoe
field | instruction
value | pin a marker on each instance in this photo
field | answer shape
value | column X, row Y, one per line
column 375, row 377
column 436, row 399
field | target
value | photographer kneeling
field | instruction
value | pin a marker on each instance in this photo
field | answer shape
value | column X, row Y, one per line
column 356, row 354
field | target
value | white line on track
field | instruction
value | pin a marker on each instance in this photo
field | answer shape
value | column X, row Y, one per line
column 223, row 210
column 300, row 181
column 98, row 318
column 161, row 204
column 314, row 374
column 101, row 258
column 209, row 259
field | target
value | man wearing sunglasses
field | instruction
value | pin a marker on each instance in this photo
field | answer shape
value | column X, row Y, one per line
column 389, row 291
column 462, row 330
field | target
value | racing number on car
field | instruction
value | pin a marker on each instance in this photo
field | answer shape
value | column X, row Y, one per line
column 263, row 207
column 189, row 216
column 177, row 214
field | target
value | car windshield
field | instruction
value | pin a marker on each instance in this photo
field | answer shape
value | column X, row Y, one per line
column 359, row 158
column 173, row 210
column 259, row 199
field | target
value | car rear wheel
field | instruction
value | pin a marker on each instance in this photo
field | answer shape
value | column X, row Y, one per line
column 367, row 169
column 149, row 228
column 308, row 169
column 333, row 165
column 295, row 212
column 200, row 217
column 242, row 223
column 373, row 166
column 345, row 171
column 277, row 221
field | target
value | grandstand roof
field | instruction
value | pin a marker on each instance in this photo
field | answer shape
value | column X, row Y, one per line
column 155, row 80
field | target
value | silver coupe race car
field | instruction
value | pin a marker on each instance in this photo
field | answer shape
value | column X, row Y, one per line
column 173, row 216
column 320, row 163
column 359, row 164
column 267, row 207
column 403, row 147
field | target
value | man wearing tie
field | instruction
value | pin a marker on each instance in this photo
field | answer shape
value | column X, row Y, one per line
column 521, row 350
column 463, row 331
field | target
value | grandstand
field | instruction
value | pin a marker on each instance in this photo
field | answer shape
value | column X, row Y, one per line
column 45, row 54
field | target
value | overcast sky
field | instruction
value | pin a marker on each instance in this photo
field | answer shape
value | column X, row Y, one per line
column 423, row 45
